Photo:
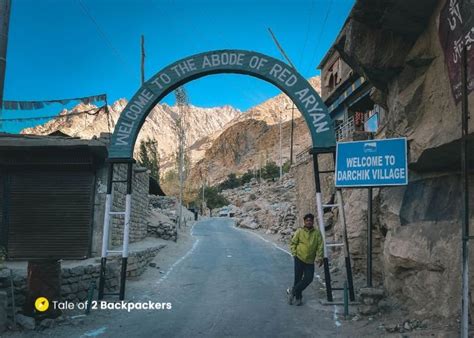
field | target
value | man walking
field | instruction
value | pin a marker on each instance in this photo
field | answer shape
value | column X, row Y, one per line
column 306, row 247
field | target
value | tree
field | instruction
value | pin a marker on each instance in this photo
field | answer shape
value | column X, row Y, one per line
column 286, row 166
column 213, row 199
column 170, row 183
column 180, row 127
column 271, row 170
column 149, row 157
column 247, row 177
column 230, row 183
column 186, row 164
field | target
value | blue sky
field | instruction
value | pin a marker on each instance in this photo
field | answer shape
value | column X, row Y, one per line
column 55, row 50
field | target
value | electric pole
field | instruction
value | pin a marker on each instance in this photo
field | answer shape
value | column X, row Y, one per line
column 203, row 183
column 281, row 157
column 5, row 8
column 292, row 130
column 142, row 68
column 182, row 104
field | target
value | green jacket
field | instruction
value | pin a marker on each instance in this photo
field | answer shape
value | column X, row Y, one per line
column 307, row 245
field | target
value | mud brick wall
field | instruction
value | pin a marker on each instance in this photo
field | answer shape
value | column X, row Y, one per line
column 140, row 212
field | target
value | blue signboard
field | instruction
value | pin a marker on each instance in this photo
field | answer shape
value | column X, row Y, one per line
column 372, row 163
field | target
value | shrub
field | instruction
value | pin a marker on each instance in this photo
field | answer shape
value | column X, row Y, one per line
column 230, row 183
column 271, row 170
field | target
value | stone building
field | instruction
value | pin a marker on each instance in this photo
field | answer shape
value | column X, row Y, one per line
column 401, row 49
column 52, row 204
column 347, row 96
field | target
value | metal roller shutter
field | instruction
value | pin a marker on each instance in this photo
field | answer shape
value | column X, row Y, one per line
column 49, row 213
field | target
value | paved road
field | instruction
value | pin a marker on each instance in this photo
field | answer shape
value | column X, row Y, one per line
column 231, row 284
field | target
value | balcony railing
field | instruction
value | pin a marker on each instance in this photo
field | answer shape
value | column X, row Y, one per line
column 345, row 129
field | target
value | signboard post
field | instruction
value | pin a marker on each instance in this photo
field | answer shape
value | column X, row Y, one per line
column 367, row 164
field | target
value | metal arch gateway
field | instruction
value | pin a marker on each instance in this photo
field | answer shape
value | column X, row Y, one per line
column 258, row 65
column 244, row 62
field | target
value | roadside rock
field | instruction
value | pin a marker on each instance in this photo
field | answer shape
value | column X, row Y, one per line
column 269, row 205
column 47, row 323
column 162, row 222
column 28, row 323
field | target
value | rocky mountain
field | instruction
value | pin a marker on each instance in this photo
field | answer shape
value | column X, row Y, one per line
column 253, row 138
column 275, row 108
column 202, row 123
column 205, row 138
column 249, row 144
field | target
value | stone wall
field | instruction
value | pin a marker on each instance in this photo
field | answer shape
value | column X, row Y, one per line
column 140, row 212
column 138, row 260
column 75, row 282
column 164, row 214
column 160, row 227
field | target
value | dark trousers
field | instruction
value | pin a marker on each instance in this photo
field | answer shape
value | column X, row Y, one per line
column 304, row 274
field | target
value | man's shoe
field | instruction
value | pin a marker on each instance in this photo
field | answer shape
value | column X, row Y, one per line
column 291, row 297
column 299, row 302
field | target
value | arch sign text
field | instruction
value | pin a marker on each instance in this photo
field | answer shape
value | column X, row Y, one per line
column 245, row 62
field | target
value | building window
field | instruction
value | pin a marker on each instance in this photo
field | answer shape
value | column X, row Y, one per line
column 333, row 76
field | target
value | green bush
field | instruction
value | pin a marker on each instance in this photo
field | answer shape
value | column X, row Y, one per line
column 230, row 183
column 271, row 170
column 247, row 177
column 213, row 198
column 286, row 166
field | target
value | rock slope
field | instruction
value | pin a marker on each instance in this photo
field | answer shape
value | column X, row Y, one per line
column 268, row 205
column 159, row 125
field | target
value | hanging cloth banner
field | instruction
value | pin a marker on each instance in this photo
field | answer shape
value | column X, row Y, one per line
column 94, row 111
column 456, row 32
column 34, row 105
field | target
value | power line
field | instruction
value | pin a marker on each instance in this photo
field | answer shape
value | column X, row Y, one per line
column 307, row 33
column 280, row 48
column 320, row 35
column 105, row 38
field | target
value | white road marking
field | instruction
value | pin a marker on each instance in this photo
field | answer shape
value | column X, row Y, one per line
column 78, row 316
column 181, row 259
column 95, row 333
column 263, row 239
column 336, row 320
